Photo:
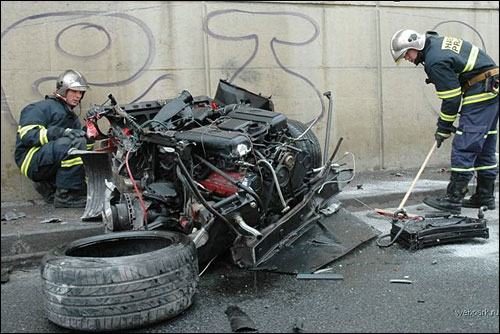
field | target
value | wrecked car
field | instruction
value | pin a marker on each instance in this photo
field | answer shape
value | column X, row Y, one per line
column 180, row 181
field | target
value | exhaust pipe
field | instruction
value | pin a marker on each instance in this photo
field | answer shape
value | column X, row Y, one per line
column 328, row 124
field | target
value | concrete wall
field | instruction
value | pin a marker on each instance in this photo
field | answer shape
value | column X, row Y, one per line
column 294, row 51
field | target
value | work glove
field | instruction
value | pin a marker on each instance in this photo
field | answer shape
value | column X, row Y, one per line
column 73, row 133
column 443, row 131
column 92, row 112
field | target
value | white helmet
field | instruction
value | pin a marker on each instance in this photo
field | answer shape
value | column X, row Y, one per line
column 406, row 39
column 70, row 79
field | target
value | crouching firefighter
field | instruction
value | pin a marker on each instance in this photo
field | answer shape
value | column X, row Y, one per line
column 48, row 129
column 465, row 76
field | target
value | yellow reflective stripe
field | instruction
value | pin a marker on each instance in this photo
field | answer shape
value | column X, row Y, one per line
column 448, row 118
column 445, row 135
column 478, row 98
column 24, row 130
column 43, row 137
column 27, row 160
column 486, row 167
column 90, row 147
column 72, row 162
column 490, row 133
column 454, row 169
column 472, row 59
column 449, row 93
column 459, row 133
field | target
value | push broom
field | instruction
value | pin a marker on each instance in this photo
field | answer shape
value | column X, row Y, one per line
column 401, row 212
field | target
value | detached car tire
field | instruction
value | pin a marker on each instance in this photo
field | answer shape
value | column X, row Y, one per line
column 310, row 143
column 120, row 280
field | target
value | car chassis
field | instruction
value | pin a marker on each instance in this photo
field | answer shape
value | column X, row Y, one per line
column 230, row 172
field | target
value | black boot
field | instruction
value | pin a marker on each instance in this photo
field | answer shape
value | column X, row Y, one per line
column 452, row 201
column 484, row 194
column 66, row 198
column 47, row 189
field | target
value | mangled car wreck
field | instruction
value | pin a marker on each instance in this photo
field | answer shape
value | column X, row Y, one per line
column 179, row 182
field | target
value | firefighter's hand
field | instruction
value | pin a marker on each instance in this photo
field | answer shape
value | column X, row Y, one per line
column 440, row 137
column 73, row 133
column 443, row 131
column 92, row 112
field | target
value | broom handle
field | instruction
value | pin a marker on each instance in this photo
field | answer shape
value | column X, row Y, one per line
column 403, row 202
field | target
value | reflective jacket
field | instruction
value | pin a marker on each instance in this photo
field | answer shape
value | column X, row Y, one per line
column 40, row 123
column 449, row 62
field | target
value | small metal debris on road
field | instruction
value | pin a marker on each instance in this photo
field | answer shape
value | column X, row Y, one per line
column 324, row 270
column 239, row 320
column 434, row 262
column 359, row 186
column 321, row 276
column 402, row 281
column 298, row 325
column 50, row 220
column 5, row 274
column 11, row 215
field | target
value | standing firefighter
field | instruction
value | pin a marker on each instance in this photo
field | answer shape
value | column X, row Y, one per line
column 462, row 75
column 47, row 130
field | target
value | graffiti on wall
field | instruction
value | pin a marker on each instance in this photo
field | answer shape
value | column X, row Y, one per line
column 274, row 41
column 107, row 19
column 101, row 23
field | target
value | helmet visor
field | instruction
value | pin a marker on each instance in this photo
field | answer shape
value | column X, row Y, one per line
column 78, row 86
column 399, row 58
column 398, row 53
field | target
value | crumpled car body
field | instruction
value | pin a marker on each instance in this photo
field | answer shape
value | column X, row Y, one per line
column 230, row 172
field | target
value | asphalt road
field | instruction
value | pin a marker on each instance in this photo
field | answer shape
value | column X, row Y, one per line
column 454, row 288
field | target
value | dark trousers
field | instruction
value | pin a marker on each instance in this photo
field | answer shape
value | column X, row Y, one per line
column 52, row 163
column 474, row 145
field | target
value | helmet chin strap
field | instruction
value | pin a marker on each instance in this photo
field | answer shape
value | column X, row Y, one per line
column 60, row 96
column 63, row 98
column 420, row 58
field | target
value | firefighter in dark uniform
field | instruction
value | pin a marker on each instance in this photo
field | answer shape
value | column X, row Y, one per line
column 465, row 76
column 48, row 129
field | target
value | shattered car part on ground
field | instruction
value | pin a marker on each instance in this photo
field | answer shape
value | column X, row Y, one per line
column 11, row 215
column 229, row 172
column 240, row 321
column 416, row 235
